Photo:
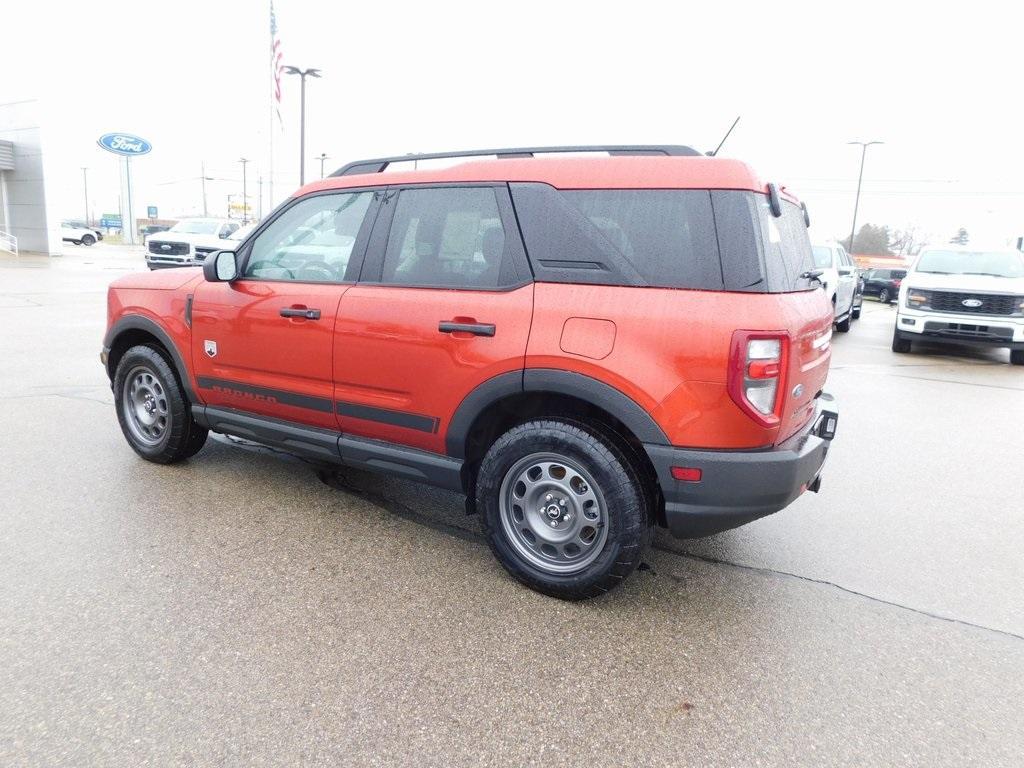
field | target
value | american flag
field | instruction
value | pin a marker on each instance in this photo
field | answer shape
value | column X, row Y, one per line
column 275, row 60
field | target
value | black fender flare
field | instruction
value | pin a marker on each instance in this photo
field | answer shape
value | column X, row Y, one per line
column 578, row 385
column 141, row 323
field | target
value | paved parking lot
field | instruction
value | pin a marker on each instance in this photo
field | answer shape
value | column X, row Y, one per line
column 236, row 610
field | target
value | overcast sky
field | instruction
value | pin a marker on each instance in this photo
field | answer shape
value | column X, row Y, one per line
column 940, row 88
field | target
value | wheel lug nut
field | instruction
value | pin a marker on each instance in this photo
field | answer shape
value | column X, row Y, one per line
column 554, row 524
column 548, row 497
column 562, row 502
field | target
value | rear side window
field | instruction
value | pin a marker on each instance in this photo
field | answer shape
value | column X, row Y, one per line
column 668, row 236
column 899, row 274
column 451, row 237
column 620, row 236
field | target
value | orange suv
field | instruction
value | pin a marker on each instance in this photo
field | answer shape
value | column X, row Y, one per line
column 586, row 345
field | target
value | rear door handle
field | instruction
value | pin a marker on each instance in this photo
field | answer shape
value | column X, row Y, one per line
column 477, row 329
column 303, row 312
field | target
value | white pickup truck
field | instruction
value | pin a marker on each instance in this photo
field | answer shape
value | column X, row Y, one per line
column 964, row 296
column 188, row 242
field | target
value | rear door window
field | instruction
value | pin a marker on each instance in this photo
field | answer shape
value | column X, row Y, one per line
column 447, row 237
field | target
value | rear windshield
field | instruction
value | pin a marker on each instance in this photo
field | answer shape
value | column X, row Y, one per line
column 700, row 239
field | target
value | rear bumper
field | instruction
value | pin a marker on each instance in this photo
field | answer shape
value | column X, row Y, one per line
column 737, row 487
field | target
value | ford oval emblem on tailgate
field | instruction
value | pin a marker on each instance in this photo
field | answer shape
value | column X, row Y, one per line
column 972, row 302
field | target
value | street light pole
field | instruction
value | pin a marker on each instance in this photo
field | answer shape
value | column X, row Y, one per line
column 204, row 178
column 323, row 156
column 85, row 184
column 860, row 177
column 245, row 196
column 303, row 74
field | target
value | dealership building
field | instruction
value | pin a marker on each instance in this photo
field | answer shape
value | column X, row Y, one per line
column 28, row 223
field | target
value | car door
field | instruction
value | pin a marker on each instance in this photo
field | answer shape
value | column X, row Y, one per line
column 871, row 282
column 263, row 343
column 444, row 303
column 847, row 281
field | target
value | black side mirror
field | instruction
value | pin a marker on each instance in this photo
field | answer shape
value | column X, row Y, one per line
column 220, row 267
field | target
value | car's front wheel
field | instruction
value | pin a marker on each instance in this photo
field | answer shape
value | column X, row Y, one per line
column 899, row 344
column 152, row 410
column 88, row 240
column 563, row 508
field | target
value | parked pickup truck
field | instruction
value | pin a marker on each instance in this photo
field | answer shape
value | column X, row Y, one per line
column 587, row 347
column 188, row 242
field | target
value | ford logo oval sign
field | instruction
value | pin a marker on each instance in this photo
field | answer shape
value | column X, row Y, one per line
column 973, row 303
column 124, row 144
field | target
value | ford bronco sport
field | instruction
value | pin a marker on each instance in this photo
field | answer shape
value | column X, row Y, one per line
column 585, row 346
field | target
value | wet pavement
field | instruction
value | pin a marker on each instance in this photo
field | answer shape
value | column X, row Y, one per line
column 237, row 610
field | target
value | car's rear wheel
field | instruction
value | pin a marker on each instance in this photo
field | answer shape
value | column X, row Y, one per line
column 855, row 314
column 883, row 296
column 1017, row 356
column 844, row 325
column 152, row 410
column 88, row 240
column 899, row 344
column 563, row 508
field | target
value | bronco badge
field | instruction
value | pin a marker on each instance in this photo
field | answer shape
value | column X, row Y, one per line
column 210, row 347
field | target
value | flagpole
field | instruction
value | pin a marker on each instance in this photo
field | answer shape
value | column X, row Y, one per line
column 270, row 120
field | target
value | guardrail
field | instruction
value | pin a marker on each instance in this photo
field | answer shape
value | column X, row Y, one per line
column 8, row 242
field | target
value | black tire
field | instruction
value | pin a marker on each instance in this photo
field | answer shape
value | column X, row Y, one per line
column 616, row 479
column 899, row 344
column 844, row 325
column 883, row 296
column 88, row 240
column 1017, row 357
column 855, row 314
column 179, row 437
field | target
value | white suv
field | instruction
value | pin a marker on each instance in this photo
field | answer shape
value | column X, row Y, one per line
column 188, row 242
column 959, row 295
column 839, row 278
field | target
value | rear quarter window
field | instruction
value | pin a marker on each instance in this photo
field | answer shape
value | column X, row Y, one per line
column 645, row 237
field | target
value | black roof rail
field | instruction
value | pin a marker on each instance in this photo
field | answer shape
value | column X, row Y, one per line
column 379, row 164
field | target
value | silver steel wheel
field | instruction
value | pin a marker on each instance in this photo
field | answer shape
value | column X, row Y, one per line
column 145, row 406
column 553, row 513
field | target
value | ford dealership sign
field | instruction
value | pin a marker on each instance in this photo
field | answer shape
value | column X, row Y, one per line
column 124, row 144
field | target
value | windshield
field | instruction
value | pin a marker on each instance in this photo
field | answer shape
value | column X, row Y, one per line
column 196, row 227
column 994, row 263
column 822, row 256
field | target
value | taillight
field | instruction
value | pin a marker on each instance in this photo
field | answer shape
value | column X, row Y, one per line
column 896, row 283
column 757, row 373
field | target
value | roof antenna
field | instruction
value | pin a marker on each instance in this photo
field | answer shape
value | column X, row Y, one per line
column 712, row 154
